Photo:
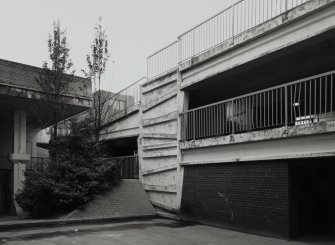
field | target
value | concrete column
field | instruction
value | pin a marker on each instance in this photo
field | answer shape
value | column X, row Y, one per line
column 140, row 138
column 19, row 157
column 183, row 101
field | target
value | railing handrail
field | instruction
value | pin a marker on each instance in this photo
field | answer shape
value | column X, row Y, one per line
column 114, row 95
column 166, row 46
column 118, row 93
column 192, row 47
column 260, row 91
column 210, row 18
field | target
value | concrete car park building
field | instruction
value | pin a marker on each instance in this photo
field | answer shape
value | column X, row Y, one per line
column 237, row 120
column 235, row 124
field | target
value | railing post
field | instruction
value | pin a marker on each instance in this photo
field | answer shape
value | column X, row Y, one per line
column 286, row 5
column 179, row 49
column 232, row 119
column 193, row 119
column 286, row 107
column 193, row 42
column 233, row 20
column 183, row 126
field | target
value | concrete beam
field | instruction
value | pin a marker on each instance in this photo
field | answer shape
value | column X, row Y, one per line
column 311, row 19
column 160, row 154
column 163, row 119
column 159, row 146
column 126, row 133
column 15, row 91
column 158, row 83
column 160, row 136
column 320, row 145
column 261, row 135
column 160, row 188
column 159, row 169
column 159, row 101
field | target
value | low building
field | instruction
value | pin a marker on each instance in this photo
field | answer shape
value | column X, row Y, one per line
column 20, row 128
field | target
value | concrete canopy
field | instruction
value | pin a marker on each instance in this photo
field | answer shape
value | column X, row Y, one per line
column 20, row 91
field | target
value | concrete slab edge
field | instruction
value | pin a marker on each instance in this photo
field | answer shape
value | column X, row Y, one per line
column 53, row 223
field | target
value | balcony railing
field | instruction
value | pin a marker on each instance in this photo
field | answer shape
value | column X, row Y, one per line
column 128, row 166
column 229, row 23
column 305, row 101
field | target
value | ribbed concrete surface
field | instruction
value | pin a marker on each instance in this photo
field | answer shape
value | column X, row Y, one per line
column 128, row 199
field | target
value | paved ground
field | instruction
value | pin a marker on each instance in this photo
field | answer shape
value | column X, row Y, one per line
column 118, row 203
column 161, row 231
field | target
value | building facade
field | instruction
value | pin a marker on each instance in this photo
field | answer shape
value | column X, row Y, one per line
column 21, row 107
column 235, row 125
column 237, row 120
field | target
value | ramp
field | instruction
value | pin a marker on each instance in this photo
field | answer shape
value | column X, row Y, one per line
column 128, row 199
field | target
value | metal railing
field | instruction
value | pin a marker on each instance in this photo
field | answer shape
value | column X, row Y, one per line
column 305, row 101
column 128, row 166
column 163, row 61
column 229, row 23
column 121, row 101
column 113, row 105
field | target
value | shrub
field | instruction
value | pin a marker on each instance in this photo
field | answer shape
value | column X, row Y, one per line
column 75, row 173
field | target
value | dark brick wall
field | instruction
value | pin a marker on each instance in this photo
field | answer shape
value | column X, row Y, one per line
column 251, row 197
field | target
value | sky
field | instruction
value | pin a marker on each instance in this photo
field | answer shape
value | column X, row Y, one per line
column 135, row 29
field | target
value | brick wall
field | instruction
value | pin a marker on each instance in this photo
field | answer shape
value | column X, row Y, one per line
column 251, row 197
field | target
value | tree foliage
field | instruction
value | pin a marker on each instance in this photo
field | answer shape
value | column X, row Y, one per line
column 74, row 174
column 55, row 81
column 96, row 62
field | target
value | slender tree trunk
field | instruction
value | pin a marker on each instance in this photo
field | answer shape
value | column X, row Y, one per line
column 99, row 110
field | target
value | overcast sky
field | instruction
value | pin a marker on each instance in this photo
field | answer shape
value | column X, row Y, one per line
column 135, row 29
